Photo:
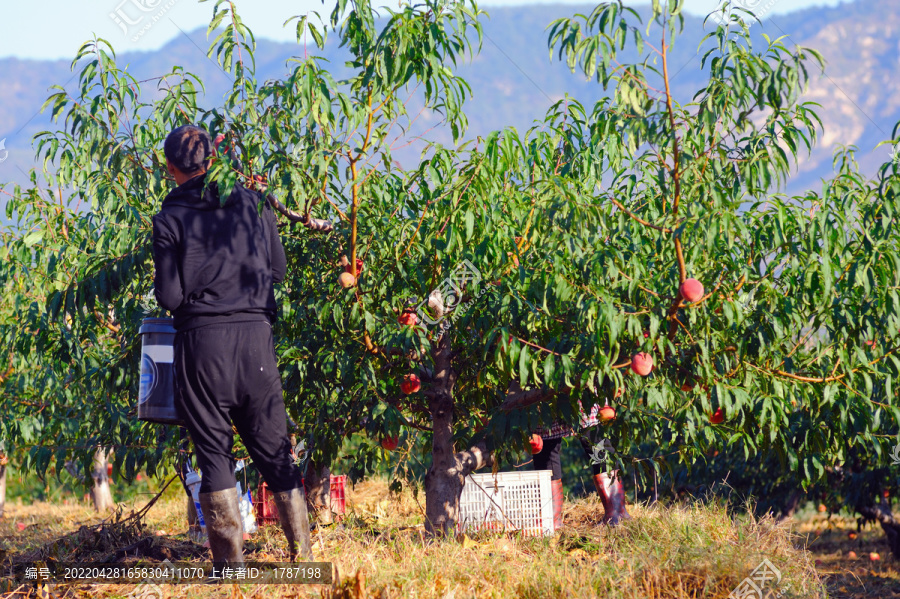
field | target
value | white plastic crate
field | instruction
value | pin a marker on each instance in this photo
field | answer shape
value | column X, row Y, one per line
column 507, row 501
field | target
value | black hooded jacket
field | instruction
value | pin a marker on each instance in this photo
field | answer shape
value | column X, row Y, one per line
column 216, row 264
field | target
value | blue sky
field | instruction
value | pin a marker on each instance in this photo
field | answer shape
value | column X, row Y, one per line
column 55, row 28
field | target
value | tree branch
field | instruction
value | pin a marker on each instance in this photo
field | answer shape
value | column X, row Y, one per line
column 523, row 399
column 676, row 159
column 8, row 372
column 315, row 224
column 618, row 205
column 474, row 458
column 106, row 323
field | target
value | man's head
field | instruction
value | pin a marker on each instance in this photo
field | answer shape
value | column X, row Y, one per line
column 187, row 150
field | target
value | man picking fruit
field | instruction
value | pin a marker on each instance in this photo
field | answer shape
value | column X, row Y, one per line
column 216, row 264
column 546, row 445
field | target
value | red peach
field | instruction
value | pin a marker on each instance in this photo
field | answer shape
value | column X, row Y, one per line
column 607, row 414
column 642, row 363
column 408, row 318
column 346, row 280
column 691, row 290
column 410, row 384
column 537, row 444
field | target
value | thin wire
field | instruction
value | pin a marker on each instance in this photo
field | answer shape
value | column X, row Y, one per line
column 769, row 19
column 518, row 67
column 836, row 86
column 224, row 72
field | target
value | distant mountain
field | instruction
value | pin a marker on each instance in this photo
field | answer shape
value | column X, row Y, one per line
column 514, row 80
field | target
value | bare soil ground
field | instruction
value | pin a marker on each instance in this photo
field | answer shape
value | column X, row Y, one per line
column 849, row 576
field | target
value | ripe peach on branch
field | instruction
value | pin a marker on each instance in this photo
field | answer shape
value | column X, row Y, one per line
column 606, row 414
column 691, row 290
column 408, row 318
column 642, row 363
column 346, row 280
column 410, row 384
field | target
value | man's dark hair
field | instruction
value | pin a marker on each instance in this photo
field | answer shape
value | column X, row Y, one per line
column 188, row 148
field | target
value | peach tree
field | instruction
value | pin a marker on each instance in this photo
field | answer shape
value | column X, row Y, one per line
column 77, row 260
column 790, row 352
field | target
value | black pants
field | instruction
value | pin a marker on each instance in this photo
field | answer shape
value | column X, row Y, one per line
column 228, row 374
column 548, row 458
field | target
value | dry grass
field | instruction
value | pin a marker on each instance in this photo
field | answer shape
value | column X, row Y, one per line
column 380, row 550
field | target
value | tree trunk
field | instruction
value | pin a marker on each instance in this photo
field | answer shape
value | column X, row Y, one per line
column 191, row 511
column 883, row 515
column 100, row 493
column 318, row 492
column 790, row 506
column 195, row 533
column 444, row 480
column 2, row 488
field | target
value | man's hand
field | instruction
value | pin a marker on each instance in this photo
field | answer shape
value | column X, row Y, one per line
column 219, row 139
column 258, row 183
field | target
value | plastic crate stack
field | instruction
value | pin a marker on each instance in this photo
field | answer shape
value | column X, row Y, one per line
column 267, row 513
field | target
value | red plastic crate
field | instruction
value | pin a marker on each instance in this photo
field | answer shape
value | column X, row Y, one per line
column 267, row 513
column 264, row 505
column 338, row 500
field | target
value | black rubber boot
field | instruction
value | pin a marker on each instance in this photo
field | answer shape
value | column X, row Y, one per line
column 294, row 519
column 222, row 514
